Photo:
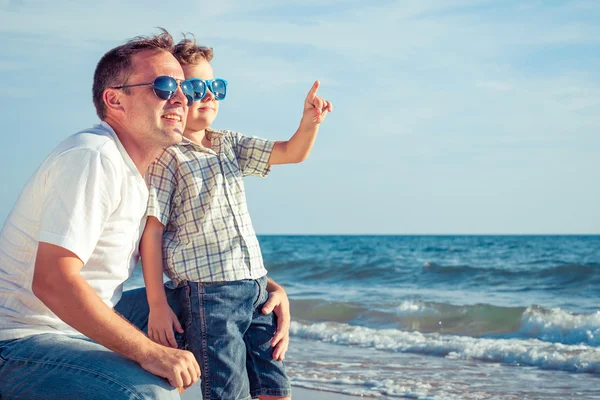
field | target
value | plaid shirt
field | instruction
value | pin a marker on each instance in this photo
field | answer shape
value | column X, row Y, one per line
column 198, row 195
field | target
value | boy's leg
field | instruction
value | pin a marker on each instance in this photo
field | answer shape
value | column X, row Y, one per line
column 50, row 366
column 268, row 378
column 215, row 318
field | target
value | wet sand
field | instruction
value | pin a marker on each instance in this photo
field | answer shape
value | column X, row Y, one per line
column 309, row 394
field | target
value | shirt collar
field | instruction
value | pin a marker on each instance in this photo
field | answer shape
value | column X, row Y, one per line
column 128, row 161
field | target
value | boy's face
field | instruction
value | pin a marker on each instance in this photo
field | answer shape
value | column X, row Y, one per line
column 201, row 113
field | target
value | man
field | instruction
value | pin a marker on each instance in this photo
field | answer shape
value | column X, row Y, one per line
column 72, row 240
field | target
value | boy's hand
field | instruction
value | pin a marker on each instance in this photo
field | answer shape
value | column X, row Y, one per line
column 315, row 107
column 161, row 322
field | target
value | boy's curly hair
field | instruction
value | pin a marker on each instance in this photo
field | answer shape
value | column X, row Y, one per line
column 188, row 52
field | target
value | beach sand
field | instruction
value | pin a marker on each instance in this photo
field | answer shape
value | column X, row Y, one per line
column 298, row 393
column 310, row 394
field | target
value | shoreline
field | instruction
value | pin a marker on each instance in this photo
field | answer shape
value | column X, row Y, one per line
column 298, row 393
column 301, row 393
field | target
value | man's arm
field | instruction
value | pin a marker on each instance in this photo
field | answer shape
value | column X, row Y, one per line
column 279, row 304
column 300, row 144
column 57, row 282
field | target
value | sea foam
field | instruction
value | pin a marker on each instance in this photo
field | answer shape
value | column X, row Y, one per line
column 556, row 325
column 531, row 352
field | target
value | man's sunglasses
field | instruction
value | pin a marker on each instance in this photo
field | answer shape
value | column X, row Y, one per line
column 217, row 86
column 165, row 88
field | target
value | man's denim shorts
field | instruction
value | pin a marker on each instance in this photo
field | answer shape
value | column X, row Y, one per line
column 231, row 339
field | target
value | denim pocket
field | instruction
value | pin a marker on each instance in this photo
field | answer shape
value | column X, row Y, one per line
column 263, row 295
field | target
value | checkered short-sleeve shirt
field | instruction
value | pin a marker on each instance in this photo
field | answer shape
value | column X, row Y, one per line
column 198, row 195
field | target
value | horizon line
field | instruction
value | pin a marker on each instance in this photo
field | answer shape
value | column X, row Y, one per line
column 428, row 234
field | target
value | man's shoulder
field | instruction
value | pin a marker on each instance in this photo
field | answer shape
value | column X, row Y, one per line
column 85, row 146
column 93, row 140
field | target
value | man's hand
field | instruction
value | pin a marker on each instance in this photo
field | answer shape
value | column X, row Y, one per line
column 179, row 367
column 315, row 107
column 57, row 268
column 161, row 322
column 278, row 302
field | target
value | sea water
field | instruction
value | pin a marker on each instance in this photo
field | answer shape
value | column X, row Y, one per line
column 441, row 317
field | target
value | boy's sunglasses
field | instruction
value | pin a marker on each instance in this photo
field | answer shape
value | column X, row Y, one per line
column 165, row 88
column 217, row 86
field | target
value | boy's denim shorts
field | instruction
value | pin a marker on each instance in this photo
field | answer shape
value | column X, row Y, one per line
column 231, row 339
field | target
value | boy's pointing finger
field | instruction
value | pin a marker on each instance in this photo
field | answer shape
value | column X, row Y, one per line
column 312, row 93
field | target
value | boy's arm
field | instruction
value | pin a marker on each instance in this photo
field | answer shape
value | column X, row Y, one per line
column 57, row 282
column 152, row 265
column 300, row 144
column 161, row 319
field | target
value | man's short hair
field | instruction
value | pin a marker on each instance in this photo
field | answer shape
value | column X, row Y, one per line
column 188, row 52
column 114, row 68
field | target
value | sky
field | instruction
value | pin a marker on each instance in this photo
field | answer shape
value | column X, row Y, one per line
column 450, row 117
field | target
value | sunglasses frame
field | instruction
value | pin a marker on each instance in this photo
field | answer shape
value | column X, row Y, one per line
column 208, row 84
column 178, row 82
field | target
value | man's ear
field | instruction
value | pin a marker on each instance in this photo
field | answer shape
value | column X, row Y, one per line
column 112, row 99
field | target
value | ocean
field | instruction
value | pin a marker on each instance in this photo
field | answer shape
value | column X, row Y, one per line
column 441, row 317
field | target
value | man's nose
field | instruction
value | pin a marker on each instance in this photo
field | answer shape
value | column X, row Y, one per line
column 179, row 97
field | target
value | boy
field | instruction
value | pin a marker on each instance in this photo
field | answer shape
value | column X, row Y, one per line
column 200, row 234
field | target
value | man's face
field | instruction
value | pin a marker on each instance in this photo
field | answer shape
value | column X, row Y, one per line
column 202, row 113
column 156, row 123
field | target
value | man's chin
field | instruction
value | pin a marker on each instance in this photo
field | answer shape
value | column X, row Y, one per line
column 177, row 133
column 176, row 138
column 172, row 137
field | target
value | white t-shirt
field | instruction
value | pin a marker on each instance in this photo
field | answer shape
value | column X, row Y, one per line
column 87, row 197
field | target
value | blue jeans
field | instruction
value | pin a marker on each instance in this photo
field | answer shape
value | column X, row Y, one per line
column 231, row 339
column 54, row 366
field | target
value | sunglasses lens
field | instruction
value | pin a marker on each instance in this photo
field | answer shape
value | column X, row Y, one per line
column 219, row 89
column 165, row 87
column 188, row 90
column 199, row 89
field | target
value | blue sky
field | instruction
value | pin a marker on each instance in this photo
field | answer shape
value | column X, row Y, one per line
column 450, row 116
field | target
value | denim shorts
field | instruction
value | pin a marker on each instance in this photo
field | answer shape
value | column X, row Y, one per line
column 231, row 339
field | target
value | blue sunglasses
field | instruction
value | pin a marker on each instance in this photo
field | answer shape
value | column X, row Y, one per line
column 217, row 86
column 165, row 87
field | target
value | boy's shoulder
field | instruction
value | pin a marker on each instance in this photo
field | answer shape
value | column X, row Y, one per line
column 221, row 134
column 223, row 138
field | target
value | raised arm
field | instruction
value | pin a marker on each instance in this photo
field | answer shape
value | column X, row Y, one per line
column 57, row 282
column 300, row 144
